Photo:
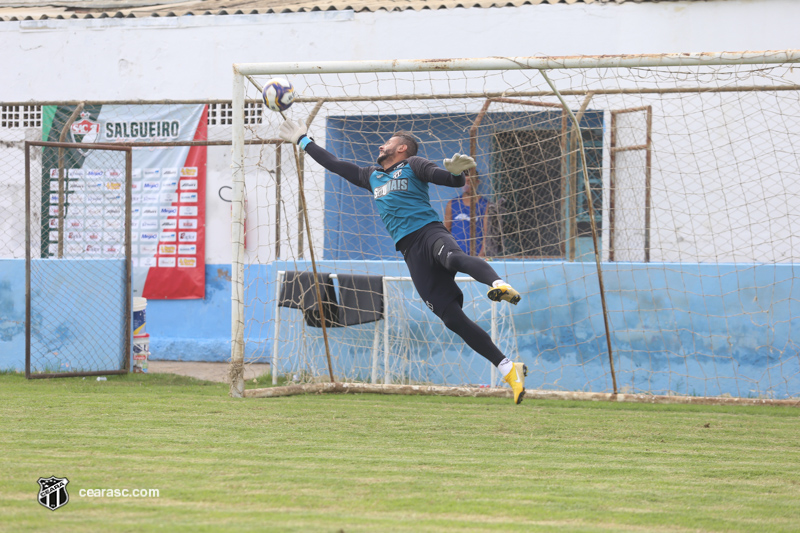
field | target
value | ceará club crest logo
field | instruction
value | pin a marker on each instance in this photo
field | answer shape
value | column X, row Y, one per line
column 53, row 492
column 85, row 130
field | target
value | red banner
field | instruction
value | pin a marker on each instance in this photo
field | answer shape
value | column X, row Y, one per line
column 180, row 257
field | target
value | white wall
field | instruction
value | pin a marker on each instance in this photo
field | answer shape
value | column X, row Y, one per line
column 191, row 57
column 12, row 189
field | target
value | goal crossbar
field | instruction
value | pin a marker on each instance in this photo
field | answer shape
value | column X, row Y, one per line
column 520, row 63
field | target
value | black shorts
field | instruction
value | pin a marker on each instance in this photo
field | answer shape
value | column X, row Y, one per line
column 425, row 251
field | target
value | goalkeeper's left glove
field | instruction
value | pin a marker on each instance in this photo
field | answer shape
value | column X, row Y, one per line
column 459, row 163
column 292, row 132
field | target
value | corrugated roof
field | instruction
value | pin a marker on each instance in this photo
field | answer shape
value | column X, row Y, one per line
column 11, row 10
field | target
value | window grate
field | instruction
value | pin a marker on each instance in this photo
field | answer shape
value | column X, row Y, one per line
column 222, row 114
column 20, row 116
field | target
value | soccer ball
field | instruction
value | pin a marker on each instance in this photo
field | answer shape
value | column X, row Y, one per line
column 278, row 94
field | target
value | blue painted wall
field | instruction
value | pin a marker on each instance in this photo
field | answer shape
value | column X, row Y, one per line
column 77, row 315
column 187, row 330
column 194, row 330
column 12, row 314
column 706, row 329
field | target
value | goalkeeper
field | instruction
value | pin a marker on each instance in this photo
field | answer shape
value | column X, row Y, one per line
column 399, row 184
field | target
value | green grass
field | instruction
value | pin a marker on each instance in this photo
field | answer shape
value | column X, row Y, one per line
column 385, row 463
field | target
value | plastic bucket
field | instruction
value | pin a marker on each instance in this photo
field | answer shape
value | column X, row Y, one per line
column 139, row 318
column 141, row 351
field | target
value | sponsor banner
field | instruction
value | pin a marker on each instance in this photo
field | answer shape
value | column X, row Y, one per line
column 188, row 184
column 148, row 249
column 166, row 262
column 187, row 262
column 173, row 203
column 187, row 236
column 167, row 195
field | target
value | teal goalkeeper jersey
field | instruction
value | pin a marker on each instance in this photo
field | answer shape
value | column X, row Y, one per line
column 402, row 199
column 400, row 192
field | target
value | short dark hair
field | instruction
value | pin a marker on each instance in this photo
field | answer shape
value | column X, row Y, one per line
column 409, row 140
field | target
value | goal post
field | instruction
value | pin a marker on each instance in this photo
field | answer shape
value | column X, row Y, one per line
column 643, row 204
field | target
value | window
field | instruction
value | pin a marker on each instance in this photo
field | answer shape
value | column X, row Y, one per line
column 540, row 190
column 527, row 185
column 20, row 116
column 593, row 146
column 222, row 114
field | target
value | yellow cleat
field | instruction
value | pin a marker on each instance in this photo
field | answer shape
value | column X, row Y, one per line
column 516, row 378
column 504, row 292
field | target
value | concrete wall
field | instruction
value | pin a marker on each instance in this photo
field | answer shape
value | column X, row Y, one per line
column 77, row 315
column 693, row 329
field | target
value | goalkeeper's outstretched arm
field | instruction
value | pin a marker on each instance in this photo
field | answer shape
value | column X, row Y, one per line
column 296, row 133
column 428, row 171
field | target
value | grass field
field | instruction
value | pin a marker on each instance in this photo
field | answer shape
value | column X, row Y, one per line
column 388, row 463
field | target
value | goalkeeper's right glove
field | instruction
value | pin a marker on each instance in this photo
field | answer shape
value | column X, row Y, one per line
column 293, row 132
column 458, row 164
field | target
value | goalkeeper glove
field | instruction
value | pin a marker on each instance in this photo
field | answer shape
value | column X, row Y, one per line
column 292, row 132
column 458, row 164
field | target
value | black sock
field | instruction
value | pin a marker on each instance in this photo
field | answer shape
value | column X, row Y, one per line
column 474, row 266
column 475, row 337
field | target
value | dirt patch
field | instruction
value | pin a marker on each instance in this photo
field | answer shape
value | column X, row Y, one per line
column 207, row 371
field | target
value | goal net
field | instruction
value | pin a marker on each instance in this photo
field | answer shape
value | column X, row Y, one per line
column 645, row 207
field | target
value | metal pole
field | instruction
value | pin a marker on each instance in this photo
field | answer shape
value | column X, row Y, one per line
column 612, row 194
column 647, row 184
column 61, row 178
column 593, row 224
column 128, row 260
column 301, row 205
column 523, row 63
column 376, row 341
column 278, row 164
column 493, row 371
column 496, row 95
column 274, row 366
column 323, row 311
column 386, row 376
column 28, row 259
column 237, row 241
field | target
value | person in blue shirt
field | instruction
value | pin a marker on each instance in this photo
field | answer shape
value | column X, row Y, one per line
column 399, row 184
column 458, row 219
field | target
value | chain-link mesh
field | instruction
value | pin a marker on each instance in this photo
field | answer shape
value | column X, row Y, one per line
column 150, row 129
column 78, row 261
